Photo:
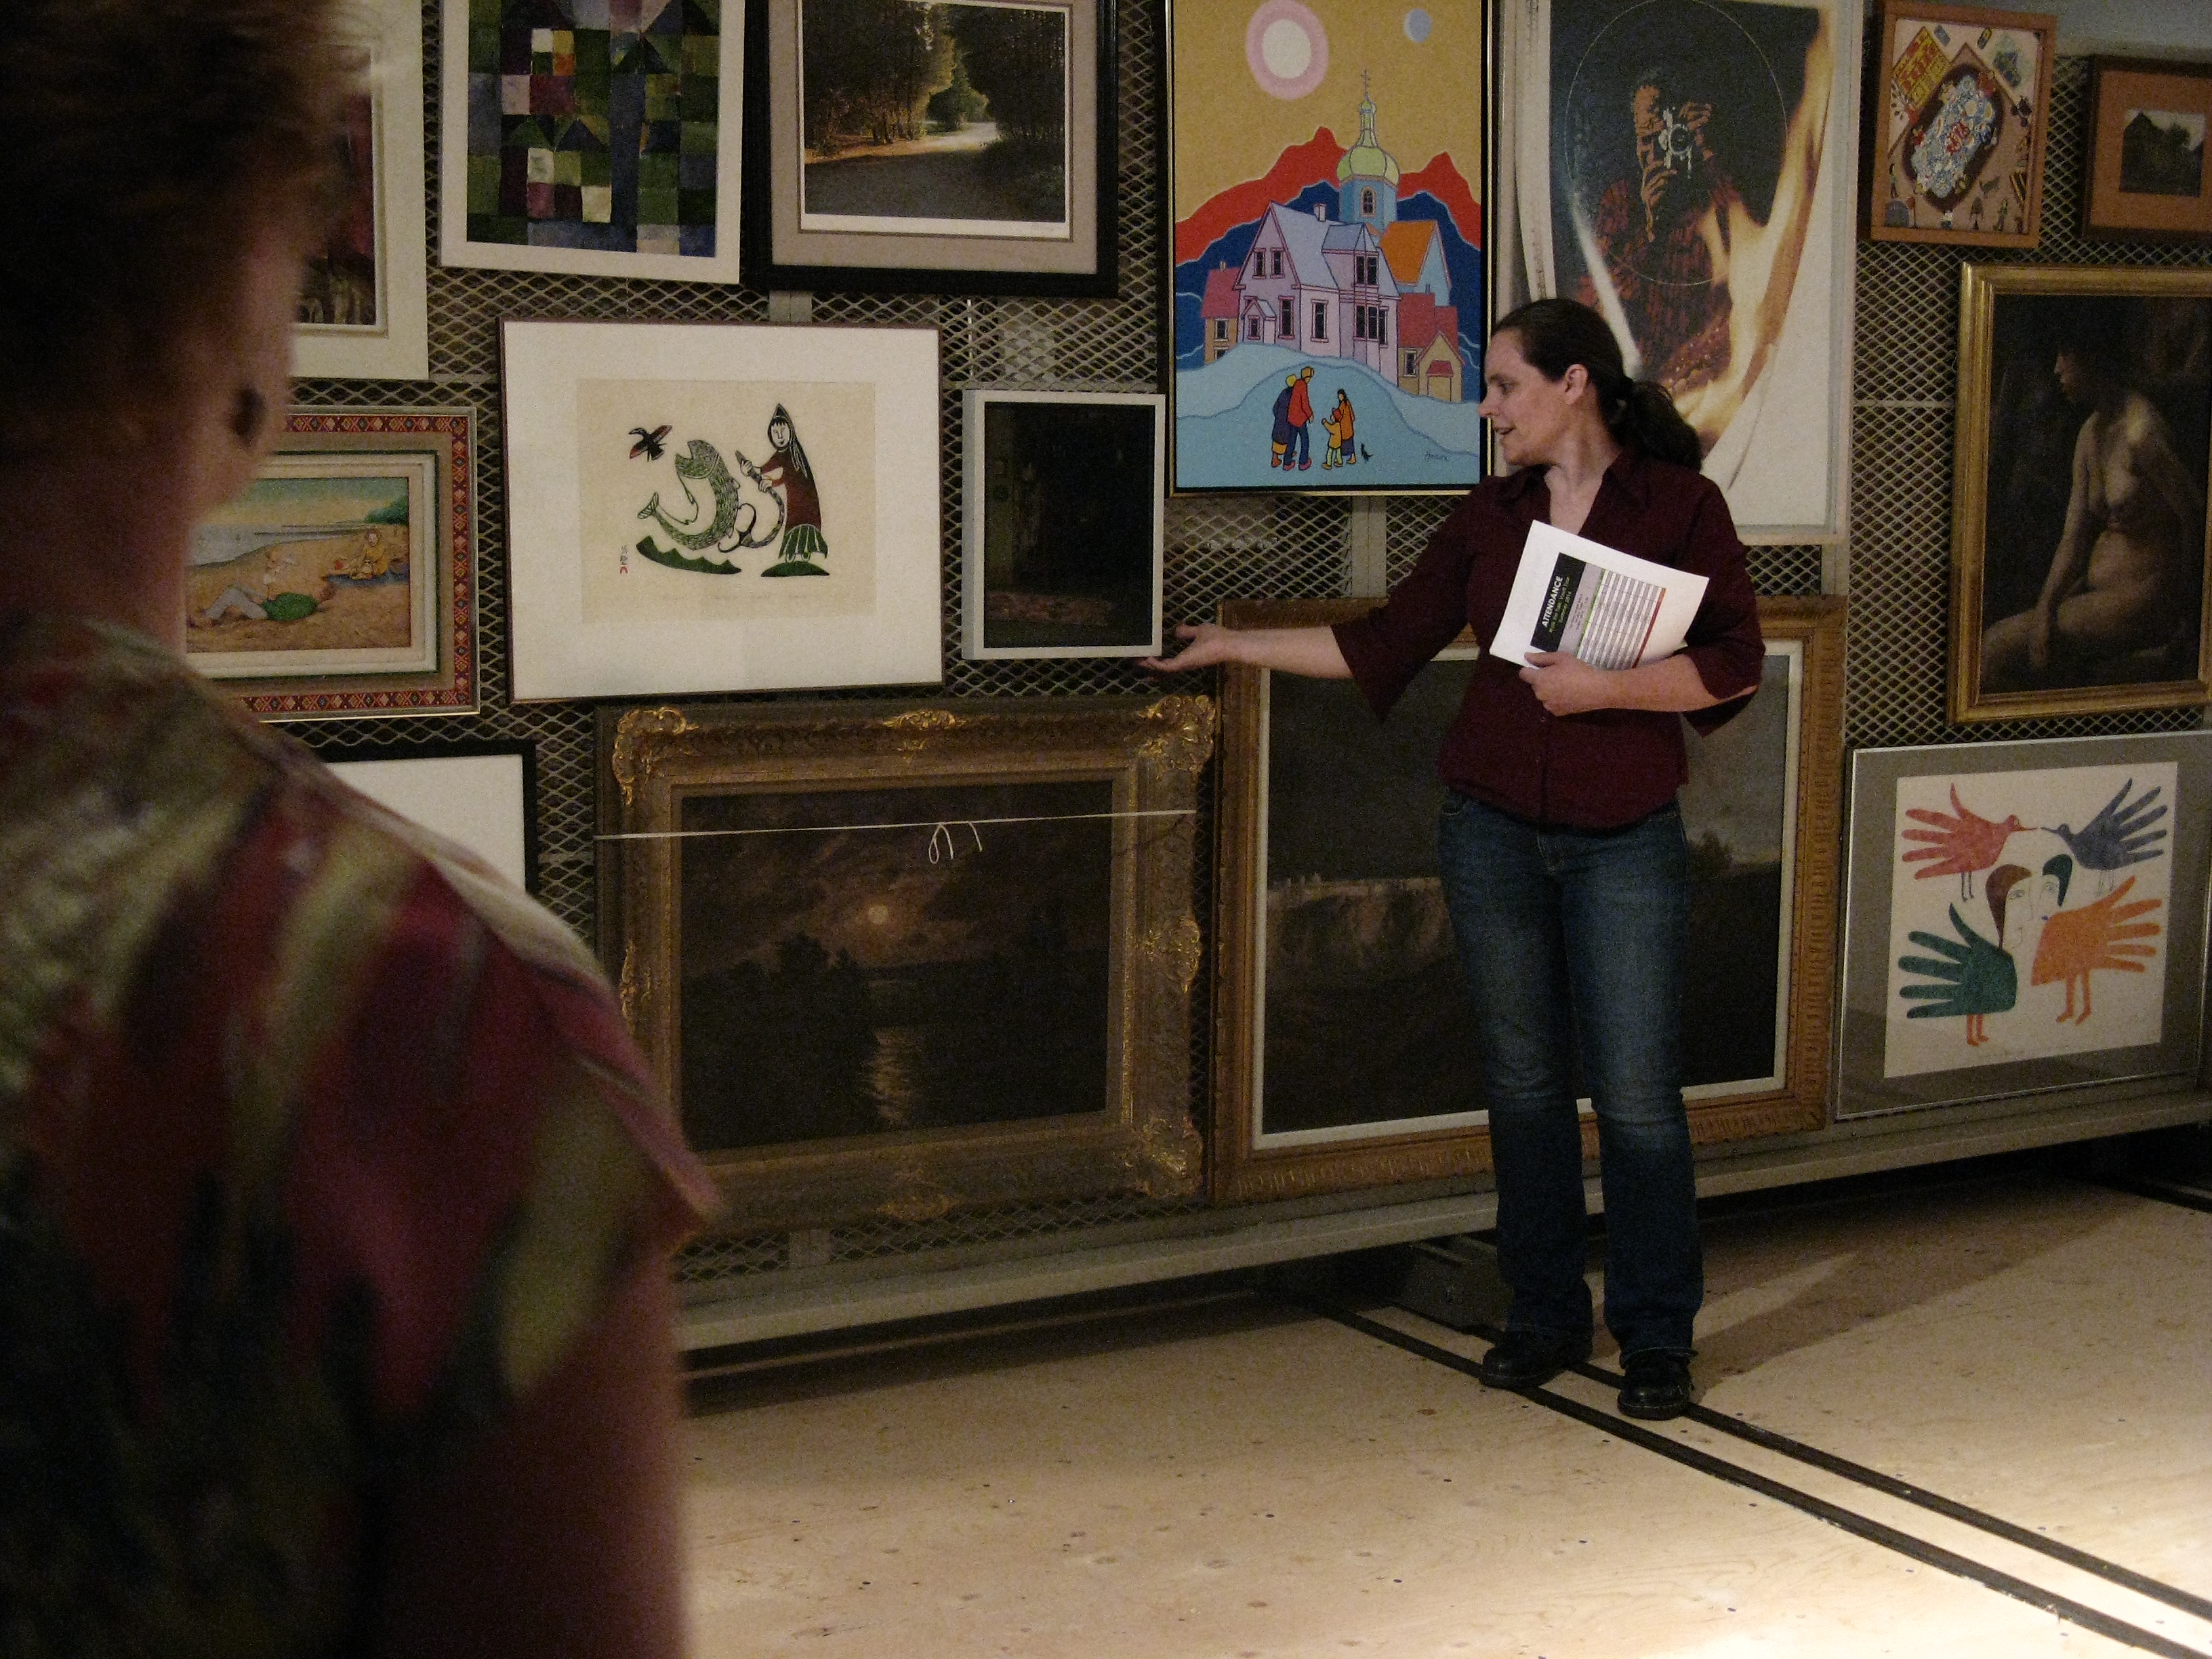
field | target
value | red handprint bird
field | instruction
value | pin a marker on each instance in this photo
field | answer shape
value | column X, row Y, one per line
column 1960, row 845
column 2101, row 934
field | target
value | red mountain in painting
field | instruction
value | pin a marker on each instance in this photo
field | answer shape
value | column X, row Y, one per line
column 1312, row 163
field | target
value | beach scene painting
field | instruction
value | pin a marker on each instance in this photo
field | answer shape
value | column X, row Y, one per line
column 321, row 567
column 1329, row 283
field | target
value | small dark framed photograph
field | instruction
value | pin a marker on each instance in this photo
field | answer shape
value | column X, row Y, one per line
column 964, row 147
column 2146, row 178
column 1062, row 514
column 480, row 794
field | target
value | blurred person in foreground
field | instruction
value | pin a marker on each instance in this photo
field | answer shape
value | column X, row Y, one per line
column 334, row 1200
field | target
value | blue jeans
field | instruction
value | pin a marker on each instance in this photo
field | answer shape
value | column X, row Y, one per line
column 1570, row 934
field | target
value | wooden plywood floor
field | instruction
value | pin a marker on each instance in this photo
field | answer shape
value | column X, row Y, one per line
column 1956, row 1422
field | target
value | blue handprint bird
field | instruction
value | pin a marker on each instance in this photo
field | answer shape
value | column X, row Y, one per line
column 2118, row 836
column 1970, row 974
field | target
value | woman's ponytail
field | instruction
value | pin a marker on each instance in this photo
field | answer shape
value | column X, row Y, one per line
column 1557, row 334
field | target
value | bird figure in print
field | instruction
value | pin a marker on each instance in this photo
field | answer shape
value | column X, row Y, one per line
column 2118, row 836
column 1970, row 974
column 648, row 444
column 2101, row 934
column 1961, row 841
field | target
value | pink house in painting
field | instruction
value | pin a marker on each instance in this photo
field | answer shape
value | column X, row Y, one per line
column 1319, row 286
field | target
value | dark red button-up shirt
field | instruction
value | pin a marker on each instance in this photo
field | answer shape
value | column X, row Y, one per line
column 1593, row 771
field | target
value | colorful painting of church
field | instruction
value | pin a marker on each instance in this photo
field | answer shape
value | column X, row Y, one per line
column 1327, row 313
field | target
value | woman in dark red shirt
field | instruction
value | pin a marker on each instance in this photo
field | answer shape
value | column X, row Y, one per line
column 1561, row 847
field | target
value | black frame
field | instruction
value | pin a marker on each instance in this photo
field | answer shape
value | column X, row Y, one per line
column 331, row 750
column 758, row 262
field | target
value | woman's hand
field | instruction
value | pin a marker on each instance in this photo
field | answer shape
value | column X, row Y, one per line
column 1210, row 643
column 1566, row 684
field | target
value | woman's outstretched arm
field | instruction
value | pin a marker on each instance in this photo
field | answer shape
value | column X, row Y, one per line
column 1312, row 652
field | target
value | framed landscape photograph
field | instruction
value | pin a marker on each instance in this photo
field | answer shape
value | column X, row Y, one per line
column 1328, row 297
column 1961, row 126
column 699, row 507
column 2080, row 540
column 343, row 581
column 481, row 794
column 963, row 146
column 2147, row 179
column 1686, row 167
column 1061, row 509
column 593, row 137
column 2024, row 918
column 1345, row 1048
column 891, row 960
column 364, row 311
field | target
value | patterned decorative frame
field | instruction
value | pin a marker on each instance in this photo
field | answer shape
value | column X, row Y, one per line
column 1142, row 1138
column 1245, row 1168
column 658, row 133
column 450, row 687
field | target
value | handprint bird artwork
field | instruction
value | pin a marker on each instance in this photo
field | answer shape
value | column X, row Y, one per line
column 2051, row 962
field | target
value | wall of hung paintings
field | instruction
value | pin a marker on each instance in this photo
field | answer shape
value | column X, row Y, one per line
column 1898, row 523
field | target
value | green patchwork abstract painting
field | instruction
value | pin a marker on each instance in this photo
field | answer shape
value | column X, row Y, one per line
column 592, row 136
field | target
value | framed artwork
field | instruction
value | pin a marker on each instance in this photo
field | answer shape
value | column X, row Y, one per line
column 1326, row 307
column 364, row 310
column 2146, row 180
column 890, row 960
column 1960, row 125
column 1686, row 167
column 343, row 581
column 2079, row 539
column 649, row 554
column 966, row 146
column 479, row 794
column 1345, row 1044
column 592, row 137
column 1060, row 512
column 2023, row 917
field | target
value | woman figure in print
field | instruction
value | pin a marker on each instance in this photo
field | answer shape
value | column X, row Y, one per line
column 805, row 548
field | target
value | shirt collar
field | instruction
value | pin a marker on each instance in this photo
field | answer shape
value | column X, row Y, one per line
column 1631, row 470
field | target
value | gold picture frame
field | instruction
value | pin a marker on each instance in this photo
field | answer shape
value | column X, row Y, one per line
column 2018, row 506
column 891, row 960
column 1959, row 124
column 1406, row 1107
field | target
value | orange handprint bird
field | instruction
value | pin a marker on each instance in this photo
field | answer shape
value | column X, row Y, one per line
column 1960, row 844
column 2076, row 943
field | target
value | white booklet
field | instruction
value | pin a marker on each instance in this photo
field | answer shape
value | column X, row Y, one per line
column 1611, row 609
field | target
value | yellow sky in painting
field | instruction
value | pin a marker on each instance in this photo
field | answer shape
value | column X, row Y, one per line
column 1428, row 96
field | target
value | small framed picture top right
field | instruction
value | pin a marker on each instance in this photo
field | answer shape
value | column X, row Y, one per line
column 1960, row 125
column 2146, row 178
column 1062, row 535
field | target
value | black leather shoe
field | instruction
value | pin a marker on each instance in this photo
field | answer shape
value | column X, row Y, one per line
column 1658, row 1384
column 1529, row 1359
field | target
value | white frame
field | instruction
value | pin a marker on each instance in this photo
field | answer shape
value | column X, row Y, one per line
column 1523, row 269
column 454, row 247
column 556, row 654
column 398, row 347
column 973, row 507
column 478, row 796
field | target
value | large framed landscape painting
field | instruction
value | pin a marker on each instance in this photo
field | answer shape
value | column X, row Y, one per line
column 1345, row 1048
column 594, row 137
column 1328, row 305
column 890, row 961
column 713, row 507
column 2080, row 541
column 342, row 583
column 2024, row 918
column 1687, row 168
column 961, row 146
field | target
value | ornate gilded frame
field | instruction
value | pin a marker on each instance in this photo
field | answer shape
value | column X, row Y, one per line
column 1244, row 1170
column 1142, row 1138
column 1981, row 286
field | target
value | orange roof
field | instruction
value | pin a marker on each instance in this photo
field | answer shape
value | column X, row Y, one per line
column 1406, row 245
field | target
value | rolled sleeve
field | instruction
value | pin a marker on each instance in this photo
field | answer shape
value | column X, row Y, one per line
column 1725, row 644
